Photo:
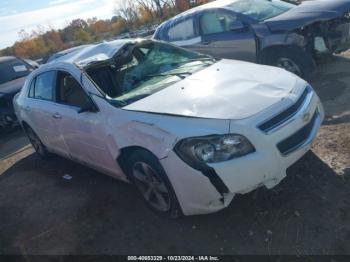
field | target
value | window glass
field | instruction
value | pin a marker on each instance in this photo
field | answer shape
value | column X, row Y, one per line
column 144, row 69
column 216, row 22
column 261, row 10
column 182, row 31
column 31, row 89
column 12, row 69
column 44, row 86
column 70, row 92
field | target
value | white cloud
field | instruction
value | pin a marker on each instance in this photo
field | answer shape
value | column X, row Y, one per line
column 3, row 11
column 57, row 2
column 56, row 16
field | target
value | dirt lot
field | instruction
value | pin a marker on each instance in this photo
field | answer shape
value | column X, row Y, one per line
column 308, row 213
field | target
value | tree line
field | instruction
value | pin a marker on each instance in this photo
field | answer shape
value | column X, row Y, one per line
column 129, row 15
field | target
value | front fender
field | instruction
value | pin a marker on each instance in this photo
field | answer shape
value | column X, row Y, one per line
column 148, row 136
column 283, row 39
column 157, row 133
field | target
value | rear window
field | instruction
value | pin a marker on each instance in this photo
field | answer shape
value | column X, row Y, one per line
column 13, row 69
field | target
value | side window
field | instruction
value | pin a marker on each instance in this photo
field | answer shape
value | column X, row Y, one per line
column 216, row 22
column 182, row 31
column 69, row 91
column 44, row 86
column 31, row 89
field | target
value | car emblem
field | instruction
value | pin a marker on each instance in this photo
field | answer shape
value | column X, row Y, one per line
column 306, row 117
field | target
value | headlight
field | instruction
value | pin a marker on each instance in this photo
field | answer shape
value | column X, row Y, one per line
column 213, row 149
column 347, row 15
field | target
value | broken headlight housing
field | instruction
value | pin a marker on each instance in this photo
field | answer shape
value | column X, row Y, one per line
column 199, row 151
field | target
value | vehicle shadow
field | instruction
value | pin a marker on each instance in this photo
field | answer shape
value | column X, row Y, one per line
column 42, row 213
column 12, row 141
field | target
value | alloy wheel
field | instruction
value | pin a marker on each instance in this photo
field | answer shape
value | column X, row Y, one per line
column 151, row 186
column 289, row 65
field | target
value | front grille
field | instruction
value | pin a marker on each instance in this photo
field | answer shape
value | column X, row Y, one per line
column 293, row 142
column 285, row 115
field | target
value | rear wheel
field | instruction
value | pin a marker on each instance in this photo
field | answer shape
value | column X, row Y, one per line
column 151, row 181
column 38, row 146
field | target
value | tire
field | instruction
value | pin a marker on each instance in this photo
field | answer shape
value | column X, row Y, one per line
column 152, row 183
column 292, row 59
column 38, row 146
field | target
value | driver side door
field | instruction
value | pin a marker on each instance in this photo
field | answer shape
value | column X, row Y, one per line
column 82, row 125
column 224, row 35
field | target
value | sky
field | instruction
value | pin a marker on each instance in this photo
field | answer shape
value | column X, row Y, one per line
column 16, row 15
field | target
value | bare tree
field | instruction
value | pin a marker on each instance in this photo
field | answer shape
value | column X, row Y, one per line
column 127, row 9
column 157, row 6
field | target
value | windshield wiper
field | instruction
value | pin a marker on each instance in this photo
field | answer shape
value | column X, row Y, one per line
column 117, row 103
column 203, row 59
column 122, row 103
column 180, row 75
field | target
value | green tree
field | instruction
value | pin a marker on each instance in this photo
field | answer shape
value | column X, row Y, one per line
column 81, row 36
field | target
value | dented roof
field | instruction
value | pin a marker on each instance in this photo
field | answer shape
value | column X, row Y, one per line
column 99, row 52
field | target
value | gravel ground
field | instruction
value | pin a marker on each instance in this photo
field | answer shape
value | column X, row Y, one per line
column 308, row 213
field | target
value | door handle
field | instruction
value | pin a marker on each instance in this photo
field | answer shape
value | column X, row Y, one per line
column 27, row 108
column 206, row 43
column 57, row 116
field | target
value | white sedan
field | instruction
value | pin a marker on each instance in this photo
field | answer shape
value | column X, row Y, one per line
column 190, row 132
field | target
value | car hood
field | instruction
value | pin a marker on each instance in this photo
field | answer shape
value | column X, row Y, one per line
column 228, row 89
column 12, row 87
column 308, row 13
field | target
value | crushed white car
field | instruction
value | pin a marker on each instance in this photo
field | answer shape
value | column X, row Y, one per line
column 189, row 131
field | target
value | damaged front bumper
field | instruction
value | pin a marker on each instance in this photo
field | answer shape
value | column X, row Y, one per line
column 197, row 193
column 339, row 39
column 336, row 40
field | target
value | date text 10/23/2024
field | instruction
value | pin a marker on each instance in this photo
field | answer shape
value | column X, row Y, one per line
column 173, row 258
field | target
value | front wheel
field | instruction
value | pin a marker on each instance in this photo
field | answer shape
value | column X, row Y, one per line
column 151, row 181
column 291, row 59
column 289, row 65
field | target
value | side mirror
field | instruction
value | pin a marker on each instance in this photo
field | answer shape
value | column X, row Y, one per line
column 237, row 26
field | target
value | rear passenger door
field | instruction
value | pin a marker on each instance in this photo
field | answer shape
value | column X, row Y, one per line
column 42, row 110
column 224, row 35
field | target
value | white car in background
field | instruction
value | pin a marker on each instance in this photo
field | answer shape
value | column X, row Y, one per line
column 189, row 131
